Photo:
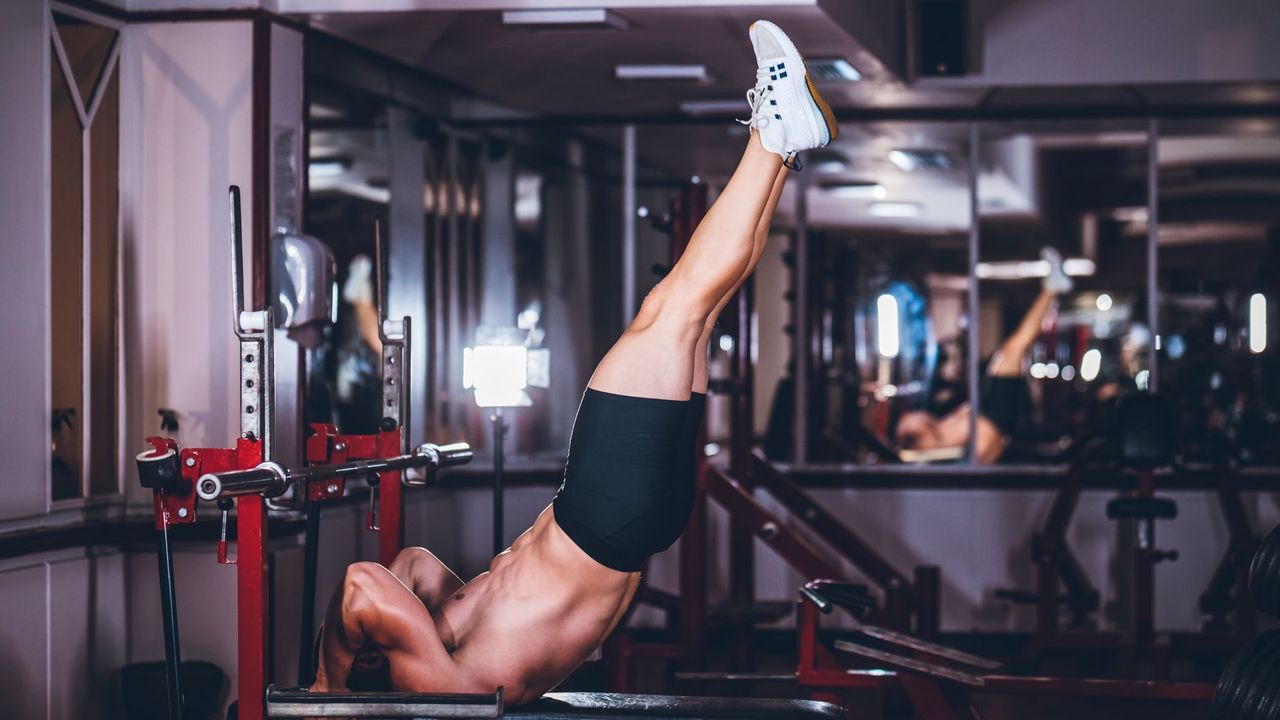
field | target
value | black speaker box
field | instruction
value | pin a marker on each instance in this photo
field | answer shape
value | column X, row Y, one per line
column 940, row 37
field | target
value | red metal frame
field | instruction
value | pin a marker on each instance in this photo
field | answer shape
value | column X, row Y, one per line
column 251, row 557
column 904, row 601
column 327, row 446
column 171, row 508
column 818, row 670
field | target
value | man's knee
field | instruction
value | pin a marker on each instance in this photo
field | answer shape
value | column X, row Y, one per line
column 676, row 305
column 409, row 559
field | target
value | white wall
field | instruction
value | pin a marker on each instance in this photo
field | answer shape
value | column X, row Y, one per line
column 186, row 106
column 24, row 239
column 1082, row 42
column 63, row 640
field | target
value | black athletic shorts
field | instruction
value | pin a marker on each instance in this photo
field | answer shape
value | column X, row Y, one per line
column 1003, row 401
column 629, row 479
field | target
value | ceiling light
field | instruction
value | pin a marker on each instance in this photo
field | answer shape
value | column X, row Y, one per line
column 328, row 167
column 887, row 326
column 1027, row 269
column 856, row 191
column 1257, row 323
column 832, row 70
column 1079, row 267
column 1130, row 214
column 1090, row 364
column 712, row 107
column 571, row 19
column 827, row 162
column 911, row 160
column 661, row 72
column 894, row 209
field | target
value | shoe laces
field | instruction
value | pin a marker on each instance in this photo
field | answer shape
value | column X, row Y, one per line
column 756, row 97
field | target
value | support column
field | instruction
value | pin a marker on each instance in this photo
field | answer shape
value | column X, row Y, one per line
column 1153, row 254
column 406, row 248
column 498, row 303
column 800, row 323
column 286, row 167
column 628, row 224
column 975, row 237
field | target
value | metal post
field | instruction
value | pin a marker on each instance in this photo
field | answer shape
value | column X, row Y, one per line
column 1153, row 241
column 628, row 223
column 251, row 608
column 975, row 236
column 405, row 256
column 742, row 436
column 800, row 323
column 499, row 432
column 169, row 610
column 310, row 560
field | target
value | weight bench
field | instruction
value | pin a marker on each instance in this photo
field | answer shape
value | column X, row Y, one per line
column 297, row 703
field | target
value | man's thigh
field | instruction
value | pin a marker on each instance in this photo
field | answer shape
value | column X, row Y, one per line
column 426, row 576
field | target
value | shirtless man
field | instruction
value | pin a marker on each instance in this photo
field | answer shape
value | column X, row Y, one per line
column 1004, row 393
column 551, row 599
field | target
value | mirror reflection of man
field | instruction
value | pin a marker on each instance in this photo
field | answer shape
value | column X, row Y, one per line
column 1004, row 392
column 359, row 372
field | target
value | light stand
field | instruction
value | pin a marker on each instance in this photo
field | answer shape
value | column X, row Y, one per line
column 502, row 364
column 499, row 432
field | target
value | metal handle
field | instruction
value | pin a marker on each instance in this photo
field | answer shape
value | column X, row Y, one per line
column 448, row 455
column 444, row 456
column 270, row 479
column 265, row 479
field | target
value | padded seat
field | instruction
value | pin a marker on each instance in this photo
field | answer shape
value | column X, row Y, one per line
column 606, row 706
column 1142, row 508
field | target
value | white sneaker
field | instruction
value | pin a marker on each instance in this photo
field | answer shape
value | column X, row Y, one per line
column 1057, row 281
column 785, row 95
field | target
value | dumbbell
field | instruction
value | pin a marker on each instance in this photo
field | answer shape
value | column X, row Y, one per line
column 1264, row 574
column 1249, row 688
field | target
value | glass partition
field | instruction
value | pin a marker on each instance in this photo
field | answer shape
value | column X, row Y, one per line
column 885, row 269
column 1063, row 326
column 348, row 196
column 1219, row 267
column 84, row 146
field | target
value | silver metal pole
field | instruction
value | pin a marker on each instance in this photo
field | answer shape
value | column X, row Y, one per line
column 975, row 235
column 628, row 223
column 800, row 275
column 1153, row 241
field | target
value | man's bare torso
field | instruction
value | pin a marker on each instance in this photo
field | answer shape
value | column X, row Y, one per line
column 539, row 611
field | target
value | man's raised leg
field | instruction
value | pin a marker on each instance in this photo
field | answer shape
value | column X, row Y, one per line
column 700, row 376
column 654, row 356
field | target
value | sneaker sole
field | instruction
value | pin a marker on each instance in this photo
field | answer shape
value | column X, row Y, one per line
column 828, row 130
column 828, row 117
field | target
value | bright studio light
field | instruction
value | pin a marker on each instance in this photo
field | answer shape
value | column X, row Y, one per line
column 887, row 325
column 498, row 373
column 1257, row 323
column 1103, row 302
column 1090, row 364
